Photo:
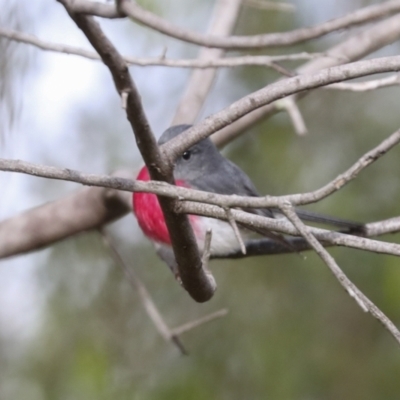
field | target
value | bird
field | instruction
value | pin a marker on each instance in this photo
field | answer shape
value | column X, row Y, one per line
column 203, row 167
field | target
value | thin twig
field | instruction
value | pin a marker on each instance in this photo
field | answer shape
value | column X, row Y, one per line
column 270, row 5
column 148, row 303
column 25, row 223
column 282, row 70
column 163, row 189
column 206, row 250
column 303, row 198
column 364, row 302
column 264, row 246
column 275, row 91
column 353, row 48
column 82, row 215
column 169, row 335
column 393, row 80
column 390, row 225
column 181, row 193
column 289, row 104
column 291, row 215
column 207, row 63
column 194, row 324
column 235, row 228
column 361, row 16
column 258, row 222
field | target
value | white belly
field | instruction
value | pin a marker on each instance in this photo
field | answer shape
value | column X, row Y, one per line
column 223, row 239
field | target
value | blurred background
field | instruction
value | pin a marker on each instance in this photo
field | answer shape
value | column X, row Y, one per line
column 70, row 325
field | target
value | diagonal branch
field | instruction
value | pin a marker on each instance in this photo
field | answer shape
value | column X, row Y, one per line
column 81, row 211
column 276, row 91
column 194, row 324
column 363, row 301
column 169, row 335
column 194, row 279
column 344, row 178
column 351, row 49
column 148, row 303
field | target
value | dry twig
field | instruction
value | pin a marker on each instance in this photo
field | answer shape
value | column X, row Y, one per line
column 270, row 5
column 364, row 302
column 351, row 49
column 191, row 325
column 94, row 218
column 367, row 14
column 198, row 63
column 148, row 303
column 392, row 80
column 182, row 193
column 169, row 335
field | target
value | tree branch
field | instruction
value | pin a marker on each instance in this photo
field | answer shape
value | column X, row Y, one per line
column 264, row 246
column 253, row 221
column 270, row 5
column 363, row 301
column 148, row 303
column 223, row 202
column 367, row 14
column 194, row 324
column 194, row 279
column 34, row 230
column 116, row 183
column 181, row 193
column 169, row 335
column 97, row 9
column 392, row 80
column 81, row 211
column 275, row 91
column 351, row 49
column 206, row 63
column 200, row 82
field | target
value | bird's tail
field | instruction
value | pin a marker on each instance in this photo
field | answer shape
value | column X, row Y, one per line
column 349, row 226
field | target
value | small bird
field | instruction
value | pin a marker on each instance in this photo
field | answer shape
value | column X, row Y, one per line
column 203, row 167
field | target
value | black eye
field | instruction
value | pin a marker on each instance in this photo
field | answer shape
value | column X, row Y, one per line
column 186, row 155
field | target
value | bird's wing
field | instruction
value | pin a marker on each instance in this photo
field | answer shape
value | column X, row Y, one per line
column 248, row 189
column 219, row 181
column 243, row 186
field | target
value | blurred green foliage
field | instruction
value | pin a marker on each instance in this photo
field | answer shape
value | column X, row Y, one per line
column 291, row 331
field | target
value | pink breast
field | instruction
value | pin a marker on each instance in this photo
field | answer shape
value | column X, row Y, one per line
column 149, row 214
